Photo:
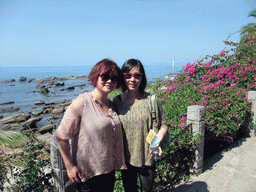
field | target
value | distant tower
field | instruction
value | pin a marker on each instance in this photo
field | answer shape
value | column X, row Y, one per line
column 173, row 62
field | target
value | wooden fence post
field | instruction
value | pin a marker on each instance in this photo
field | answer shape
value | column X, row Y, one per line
column 252, row 98
column 196, row 116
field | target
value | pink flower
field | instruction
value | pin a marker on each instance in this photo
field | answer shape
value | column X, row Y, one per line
column 192, row 69
column 187, row 67
column 171, row 87
column 183, row 119
column 222, row 52
column 181, row 125
column 187, row 79
column 238, row 93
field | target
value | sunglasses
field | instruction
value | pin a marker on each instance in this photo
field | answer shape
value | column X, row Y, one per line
column 106, row 77
column 130, row 75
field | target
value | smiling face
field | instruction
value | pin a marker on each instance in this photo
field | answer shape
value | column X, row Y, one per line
column 133, row 80
column 106, row 82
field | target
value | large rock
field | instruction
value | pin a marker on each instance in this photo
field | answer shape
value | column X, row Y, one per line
column 11, row 80
column 40, row 86
column 68, row 88
column 38, row 112
column 46, row 137
column 31, row 123
column 47, row 128
column 39, row 103
column 7, row 103
column 58, row 110
column 9, row 109
column 30, row 80
column 21, row 117
column 22, row 78
column 12, row 126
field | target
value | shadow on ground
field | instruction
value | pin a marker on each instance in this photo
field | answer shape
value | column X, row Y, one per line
column 193, row 186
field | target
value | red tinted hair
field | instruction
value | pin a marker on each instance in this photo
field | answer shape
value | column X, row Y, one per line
column 104, row 66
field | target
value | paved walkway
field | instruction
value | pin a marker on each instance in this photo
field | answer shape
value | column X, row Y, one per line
column 232, row 170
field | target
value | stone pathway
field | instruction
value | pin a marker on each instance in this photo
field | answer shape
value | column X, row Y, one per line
column 232, row 170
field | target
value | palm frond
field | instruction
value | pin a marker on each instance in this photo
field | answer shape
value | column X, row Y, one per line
column 13, row 138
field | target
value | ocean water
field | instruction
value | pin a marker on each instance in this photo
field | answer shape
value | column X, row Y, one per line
column 40, row 72
column 24, row 94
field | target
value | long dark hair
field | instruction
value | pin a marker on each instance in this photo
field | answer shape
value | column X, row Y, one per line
column 127, row 66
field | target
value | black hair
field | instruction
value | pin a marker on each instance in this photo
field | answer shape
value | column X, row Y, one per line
column 127, row 66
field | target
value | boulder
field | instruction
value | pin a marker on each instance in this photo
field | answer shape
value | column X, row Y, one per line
column 12, row 126
column 47, row 128
column 47, row 110
column 7, row 103
column 68, row 88
column 58, row 110
column 40, row 86
column 38, row 112
column 30, row 80
column 21, row 117
column 22, row 78
column 46, row 138
column 39, row 103
column 11, row 80
column 9, row 109
column 1, row 116
column 5, row 81
column 31, row 123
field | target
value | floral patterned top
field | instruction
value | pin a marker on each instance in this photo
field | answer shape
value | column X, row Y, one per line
column 136, row 120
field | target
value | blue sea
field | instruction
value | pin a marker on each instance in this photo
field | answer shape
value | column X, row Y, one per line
column 24, row 94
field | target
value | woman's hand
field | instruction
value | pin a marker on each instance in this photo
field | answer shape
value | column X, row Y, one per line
column 74, row 175
column 160, row 151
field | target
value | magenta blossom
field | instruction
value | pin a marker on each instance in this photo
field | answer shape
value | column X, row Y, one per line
column 171, row 87
column 187, row 67
column 183, row 119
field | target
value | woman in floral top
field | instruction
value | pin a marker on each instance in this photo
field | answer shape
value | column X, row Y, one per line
column 95, row 129
column 134, row 109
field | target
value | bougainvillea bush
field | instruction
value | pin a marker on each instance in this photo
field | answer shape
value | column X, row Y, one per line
column 221, row 84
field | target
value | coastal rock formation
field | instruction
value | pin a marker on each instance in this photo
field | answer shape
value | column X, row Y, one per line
column 22, row 79
column 47, row 128
column 43, row 112
column 7, row 103
column 21, row 117
column 9, row 109
column 37, row 112
column 30, row 124
column 39, row 102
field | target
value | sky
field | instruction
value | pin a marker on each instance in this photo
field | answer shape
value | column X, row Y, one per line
column 83, row 32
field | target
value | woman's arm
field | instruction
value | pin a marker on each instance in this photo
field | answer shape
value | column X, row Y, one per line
column 72, row 171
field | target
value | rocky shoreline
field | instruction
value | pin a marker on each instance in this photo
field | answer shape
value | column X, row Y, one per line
column 48, row 111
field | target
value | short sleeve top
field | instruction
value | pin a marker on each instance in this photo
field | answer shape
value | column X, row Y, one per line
column 136, row 120
column 97, row 137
